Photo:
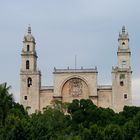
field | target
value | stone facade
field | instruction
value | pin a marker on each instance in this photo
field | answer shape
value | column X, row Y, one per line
column 72, row 84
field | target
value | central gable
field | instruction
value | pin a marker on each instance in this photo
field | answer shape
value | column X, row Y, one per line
column 66, row 80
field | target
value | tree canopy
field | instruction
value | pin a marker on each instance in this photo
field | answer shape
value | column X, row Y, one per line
column 79, row 120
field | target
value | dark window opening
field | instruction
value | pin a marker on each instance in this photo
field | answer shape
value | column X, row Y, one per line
column 29, row 82
column 123, row 43
column 121, row 83
column 25, row 97
column 27, row 64
column 122, row 76
column 28, row 48
column 125, row 96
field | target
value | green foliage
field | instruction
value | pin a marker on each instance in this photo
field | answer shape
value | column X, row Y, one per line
column 113, row 132
column 129, row 130
column 79, row 120
column 129, row 112
column 6, row 101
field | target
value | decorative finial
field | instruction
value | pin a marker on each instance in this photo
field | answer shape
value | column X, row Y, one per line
column 29, row 29
column 123, row 29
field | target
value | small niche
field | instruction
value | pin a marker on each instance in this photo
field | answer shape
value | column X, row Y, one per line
column 125, row 96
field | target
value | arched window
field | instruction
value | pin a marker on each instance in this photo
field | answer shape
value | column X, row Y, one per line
column 29, row 81
column 123, row 43
column 27, row 64
column 121, row 83
column 28, row 48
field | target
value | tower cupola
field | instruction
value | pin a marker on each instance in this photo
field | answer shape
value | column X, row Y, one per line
column 29, row 55
column 123, row 39
column 29, row 37
column 123, row 49
column 123, row 35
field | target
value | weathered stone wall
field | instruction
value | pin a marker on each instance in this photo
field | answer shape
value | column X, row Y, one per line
column 104, row 97
column 32, row 92
column 118, row 91
column 46, row 97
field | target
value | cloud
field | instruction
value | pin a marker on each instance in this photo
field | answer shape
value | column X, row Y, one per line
column 136, row 92
column 16, row 95
column 62, row 29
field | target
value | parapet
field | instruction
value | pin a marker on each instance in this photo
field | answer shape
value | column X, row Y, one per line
column 82, row 70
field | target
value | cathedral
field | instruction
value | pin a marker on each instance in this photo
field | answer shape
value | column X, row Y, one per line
column 70, row 84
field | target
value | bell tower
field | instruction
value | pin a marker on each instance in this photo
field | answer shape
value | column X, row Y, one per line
column 121, row 75
column 123, row 50
column 30, row 77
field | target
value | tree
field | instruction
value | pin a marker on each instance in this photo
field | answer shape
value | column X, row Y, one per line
column 6, row 102
column 16, row 128
column 129, row 130
column 48, row 125
column 74, row 106
column 130, row 111
column 113, row 132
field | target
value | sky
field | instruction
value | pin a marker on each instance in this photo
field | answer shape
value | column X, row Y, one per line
column 64, row 28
